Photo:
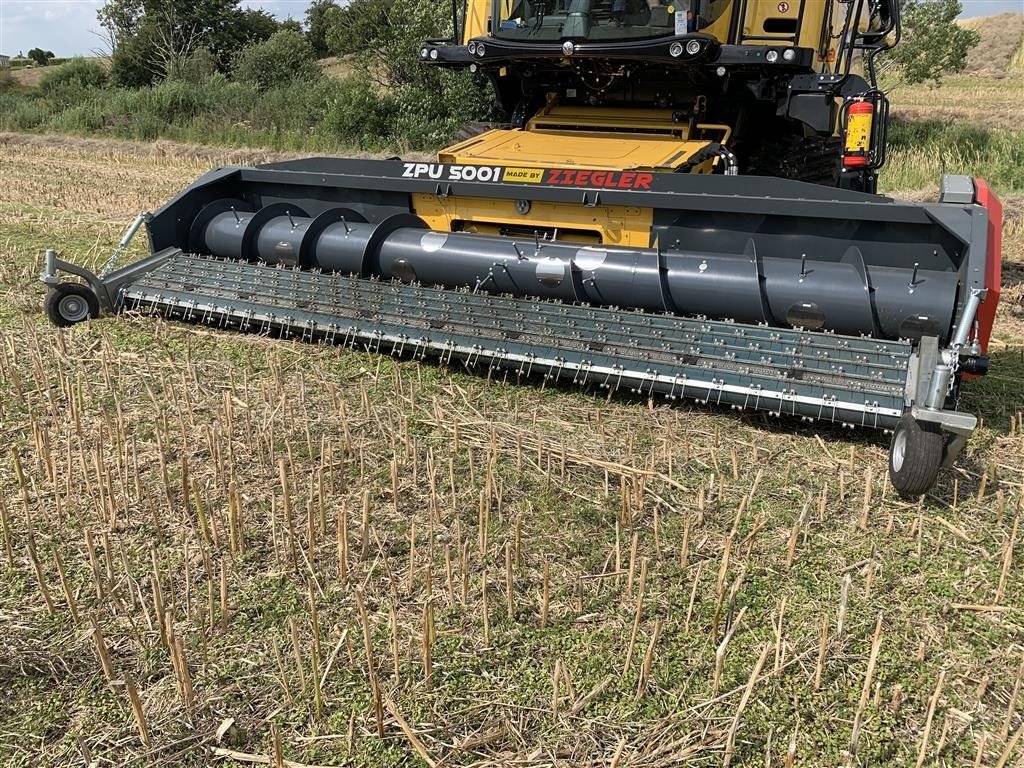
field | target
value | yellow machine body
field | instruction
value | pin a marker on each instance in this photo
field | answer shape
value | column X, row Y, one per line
column 804, row 23
column 621, row 137
column 611, row 138
column 608, row 224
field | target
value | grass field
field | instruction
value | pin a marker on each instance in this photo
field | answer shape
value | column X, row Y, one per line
column 973, row 120
column 228, row 550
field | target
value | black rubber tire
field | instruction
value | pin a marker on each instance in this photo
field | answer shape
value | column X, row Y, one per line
column 70, row 303
column 915, row 456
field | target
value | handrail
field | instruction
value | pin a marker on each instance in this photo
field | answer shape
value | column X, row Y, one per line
column 878, row 41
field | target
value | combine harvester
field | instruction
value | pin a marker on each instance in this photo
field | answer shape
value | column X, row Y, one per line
column 683, row 204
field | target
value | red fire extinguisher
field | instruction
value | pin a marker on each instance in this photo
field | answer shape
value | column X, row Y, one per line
column 857, row 149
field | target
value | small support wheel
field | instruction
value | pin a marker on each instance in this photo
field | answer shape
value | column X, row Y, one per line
column 70, row 303
column 915, row 456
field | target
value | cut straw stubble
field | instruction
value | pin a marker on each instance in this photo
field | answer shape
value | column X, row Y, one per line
column 371, row 667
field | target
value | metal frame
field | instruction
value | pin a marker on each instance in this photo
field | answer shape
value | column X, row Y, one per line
column 749, row 194
column 106, row 287
column 707, row 361
column 714, row 362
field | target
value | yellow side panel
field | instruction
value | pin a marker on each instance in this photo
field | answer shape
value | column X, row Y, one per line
column 810, row 24
column 781, row 22
column 762, row 14
column 478, row 14
column 616, row 225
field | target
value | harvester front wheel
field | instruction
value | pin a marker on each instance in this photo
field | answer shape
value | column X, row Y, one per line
column 915, row 456
column 71, row 303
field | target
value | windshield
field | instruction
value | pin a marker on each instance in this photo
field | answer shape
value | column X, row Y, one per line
column 603, row 20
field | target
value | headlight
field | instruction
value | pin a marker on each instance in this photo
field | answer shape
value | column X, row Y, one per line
column 771, row 57
column 789, row 54
column 423, row 53
column 479, row 49
column 693, row 47
column 472, row 47
column 433, row 53
column 676, row 49
column 720, row 71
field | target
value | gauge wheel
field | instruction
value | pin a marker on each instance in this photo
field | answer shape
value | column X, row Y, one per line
column 68, row 304
column 915, row 456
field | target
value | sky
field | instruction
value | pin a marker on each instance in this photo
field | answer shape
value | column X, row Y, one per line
column 69, row 27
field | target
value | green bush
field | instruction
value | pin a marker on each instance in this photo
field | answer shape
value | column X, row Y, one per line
column 427, row 121
column 85, row 117
column 427, row 104
column 285, row 57
column 131, row 65
column 290, row 107
column 175, row 101
column 361, row 116
column 199, row 67
column 277, row 99
column 70, row 83
column 21, row 112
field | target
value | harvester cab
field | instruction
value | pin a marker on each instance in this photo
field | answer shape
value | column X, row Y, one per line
column 645, row 221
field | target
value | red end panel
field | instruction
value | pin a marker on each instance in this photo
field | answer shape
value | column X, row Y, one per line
column 993, row 261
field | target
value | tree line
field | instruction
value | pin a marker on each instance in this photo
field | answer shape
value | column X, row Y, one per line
column 212, row 70
column 154, row 40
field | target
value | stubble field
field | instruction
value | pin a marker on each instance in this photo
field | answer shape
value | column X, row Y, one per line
column 230, row 550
